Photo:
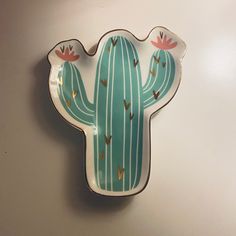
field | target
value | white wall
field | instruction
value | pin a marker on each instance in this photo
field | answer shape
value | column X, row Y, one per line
column 192, row 189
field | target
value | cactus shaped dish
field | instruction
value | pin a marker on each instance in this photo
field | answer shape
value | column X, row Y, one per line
column 111, row 95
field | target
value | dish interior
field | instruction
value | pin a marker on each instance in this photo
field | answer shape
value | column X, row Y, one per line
column 115, row 117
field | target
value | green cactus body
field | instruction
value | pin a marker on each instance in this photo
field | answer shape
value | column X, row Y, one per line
column 119, row 116
column 117, row 111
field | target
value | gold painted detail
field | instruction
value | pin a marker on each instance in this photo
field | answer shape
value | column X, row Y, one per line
column 157, row 59
column 153, row 73
column 131, row 116
column 104, row 82
column 156, row 94
column 68, row 102
column 60, row 81
column 62, row 49
column 161, row 34
column 107, row 139
column 120, row 173
column 101, row 155
column 135, row 62
column 74, row 93
column 114, row 41
column 126, row 105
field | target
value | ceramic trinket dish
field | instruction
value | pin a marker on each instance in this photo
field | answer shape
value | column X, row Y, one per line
column 111, row 96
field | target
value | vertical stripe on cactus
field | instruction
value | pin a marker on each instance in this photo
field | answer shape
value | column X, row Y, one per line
column 118, row 108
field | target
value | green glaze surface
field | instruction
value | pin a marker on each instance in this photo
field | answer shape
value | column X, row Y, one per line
column 117, row 110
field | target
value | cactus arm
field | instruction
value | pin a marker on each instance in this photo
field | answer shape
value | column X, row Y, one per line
column 81, row 97
column 73, row 96
column 152, row 68
column 160, row 78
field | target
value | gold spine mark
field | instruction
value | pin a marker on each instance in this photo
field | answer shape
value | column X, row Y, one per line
column 104, row 82
column 156, row 94
column 60, row 81
column 107, row 139
column 74, row 93
column 68, row 102
column 153, row 72
column 120, row 173
column 126, row 105
column 114, row 41
column 157, row 59
column 136, row 62
column 131, row 116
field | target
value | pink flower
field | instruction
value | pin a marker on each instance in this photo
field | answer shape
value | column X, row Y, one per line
column 164, row 43
column 67, row 54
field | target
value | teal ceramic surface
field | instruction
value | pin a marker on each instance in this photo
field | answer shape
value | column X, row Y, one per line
column 111, row 95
